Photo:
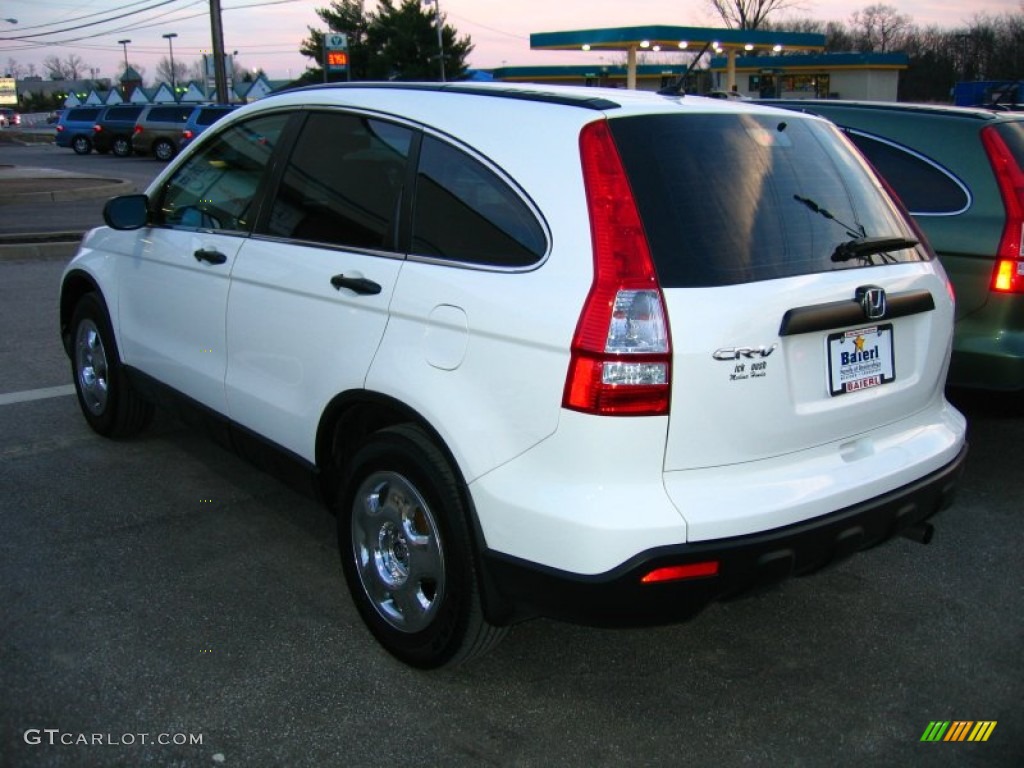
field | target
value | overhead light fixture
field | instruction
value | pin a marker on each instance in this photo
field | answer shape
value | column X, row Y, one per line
column 656, row 48
column 748, row 47
column 586, row 46
column 683, row 45
column 776, row 48
column 645, row 43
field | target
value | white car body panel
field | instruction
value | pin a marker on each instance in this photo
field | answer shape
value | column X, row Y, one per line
column 284, row 366
column 171, row 310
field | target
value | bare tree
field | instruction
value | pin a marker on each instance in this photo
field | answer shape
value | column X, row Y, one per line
column 163, row 71
column 749, row 14
column 71, row 67
column 14, row 69
column 880, row 27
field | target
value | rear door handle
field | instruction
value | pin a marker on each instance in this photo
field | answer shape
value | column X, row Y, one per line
column 357, row 284
column 211, row 257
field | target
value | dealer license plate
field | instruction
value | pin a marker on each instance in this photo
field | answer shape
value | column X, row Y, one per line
column 860, row 359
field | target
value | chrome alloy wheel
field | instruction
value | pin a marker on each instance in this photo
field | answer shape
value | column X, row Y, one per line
column 91, row 367
column 398, row 553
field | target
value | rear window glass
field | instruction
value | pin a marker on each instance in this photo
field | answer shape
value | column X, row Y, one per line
column 923, row 185
column 736, row 198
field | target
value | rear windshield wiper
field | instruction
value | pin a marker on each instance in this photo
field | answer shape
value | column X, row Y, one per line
column 866, row 247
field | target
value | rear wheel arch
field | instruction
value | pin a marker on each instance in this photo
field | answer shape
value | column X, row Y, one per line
column 348, row 421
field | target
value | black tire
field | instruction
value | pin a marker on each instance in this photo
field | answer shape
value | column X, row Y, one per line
column 163, row 150
column 122, row 146
column 407, row 552
column 110, row 406
column 81, row 145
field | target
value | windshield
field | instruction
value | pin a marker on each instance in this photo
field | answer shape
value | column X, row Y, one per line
column 735, row 198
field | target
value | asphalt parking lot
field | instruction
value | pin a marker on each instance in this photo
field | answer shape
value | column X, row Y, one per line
column 167, row 604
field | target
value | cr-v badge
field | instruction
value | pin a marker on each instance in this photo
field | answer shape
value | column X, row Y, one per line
column 750, row 353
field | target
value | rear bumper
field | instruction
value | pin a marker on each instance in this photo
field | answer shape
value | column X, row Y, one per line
column 745, row 563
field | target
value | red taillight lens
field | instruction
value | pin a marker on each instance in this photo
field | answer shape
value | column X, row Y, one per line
column 60, row 128
column 621, row 351
column 97, row 128
column 138, row 128
column 1009, row 271
column 681, row 572
column 187, row 134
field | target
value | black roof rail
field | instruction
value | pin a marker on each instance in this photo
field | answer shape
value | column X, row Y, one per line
column 549, row 97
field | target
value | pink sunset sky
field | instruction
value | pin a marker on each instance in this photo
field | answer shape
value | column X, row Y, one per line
column 267, row 33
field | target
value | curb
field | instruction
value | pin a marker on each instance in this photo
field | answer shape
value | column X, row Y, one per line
column 109, row 188
column 50, row 246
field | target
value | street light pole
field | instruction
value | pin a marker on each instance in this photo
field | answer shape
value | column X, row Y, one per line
column 440, row 40
column 170, row 45
column 124, row 44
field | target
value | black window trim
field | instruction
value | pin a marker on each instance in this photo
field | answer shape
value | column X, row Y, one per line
column 927, row 161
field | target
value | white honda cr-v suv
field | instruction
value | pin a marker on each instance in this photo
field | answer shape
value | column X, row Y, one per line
column 598, row 355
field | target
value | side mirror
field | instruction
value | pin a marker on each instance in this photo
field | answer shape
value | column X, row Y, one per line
column 126, row 212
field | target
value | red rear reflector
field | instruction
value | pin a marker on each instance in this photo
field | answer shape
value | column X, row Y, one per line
column 1008, row 276
column 681, row 572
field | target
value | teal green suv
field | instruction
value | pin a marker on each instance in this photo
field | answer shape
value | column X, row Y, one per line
column 960, row 172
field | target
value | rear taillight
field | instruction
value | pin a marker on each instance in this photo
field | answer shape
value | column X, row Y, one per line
column 97, row 128
column 138, row 129
column 187, row 134
column 620, row 362
column 60, row 128
column 1008, row 276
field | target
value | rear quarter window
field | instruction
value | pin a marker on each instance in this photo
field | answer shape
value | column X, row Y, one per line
column 168, row 115
column 925, row 187
column 730, row 198
column 82, row 115
column 465, row 212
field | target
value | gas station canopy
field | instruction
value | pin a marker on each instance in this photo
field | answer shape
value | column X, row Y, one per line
column 675, row 39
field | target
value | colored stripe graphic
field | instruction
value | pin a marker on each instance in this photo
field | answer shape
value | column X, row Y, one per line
column 958, row 731
column 982, row 730
column 935, row 731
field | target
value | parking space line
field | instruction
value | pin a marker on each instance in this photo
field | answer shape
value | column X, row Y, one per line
column 10, row 398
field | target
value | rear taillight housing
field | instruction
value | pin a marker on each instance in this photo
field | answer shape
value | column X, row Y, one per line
column 138, row 129
column 1008, row 276
column 620, row 363
column 187, row 134
column 97, row 128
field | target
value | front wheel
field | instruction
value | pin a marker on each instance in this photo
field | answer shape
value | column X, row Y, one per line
column 110, row 406
column 407, row 553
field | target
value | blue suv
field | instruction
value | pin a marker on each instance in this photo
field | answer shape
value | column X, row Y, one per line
column 75, row 128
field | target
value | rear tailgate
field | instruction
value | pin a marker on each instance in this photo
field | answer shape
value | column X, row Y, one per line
column 770, row 368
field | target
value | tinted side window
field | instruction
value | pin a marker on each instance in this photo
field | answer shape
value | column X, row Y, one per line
column 343, row 183
column 209, row 116
column 922, row 185
column 122, row 113
column 216, row 188
column 83, row 114
column 169, row 114
column 466, row 212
